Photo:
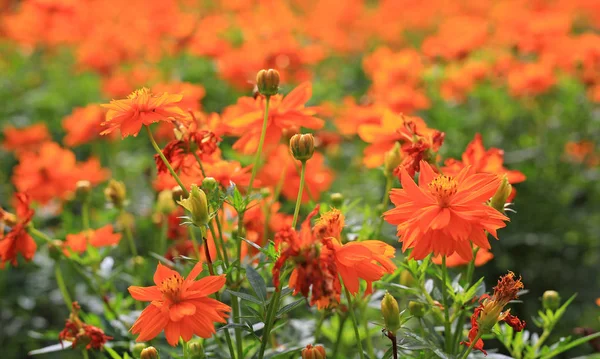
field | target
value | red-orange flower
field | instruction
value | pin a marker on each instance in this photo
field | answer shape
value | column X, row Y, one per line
column 142, row 107
column 285, row 113
column 83, row 125
column 25, row 139
column 18, row 239
column 78, row 332
column 101, row 237
column 443, row 214
column 181, row 307
column 455, row 260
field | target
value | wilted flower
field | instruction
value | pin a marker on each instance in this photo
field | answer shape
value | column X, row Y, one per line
column 80, row 333
column 18, row 239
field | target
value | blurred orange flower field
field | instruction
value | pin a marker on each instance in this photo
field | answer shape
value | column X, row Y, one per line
column 299, row 179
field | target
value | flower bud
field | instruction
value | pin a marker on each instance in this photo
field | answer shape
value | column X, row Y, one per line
column 406, row 279
column 313, row 352
column 116, row 193
column 501, row 195
column 165, row 203
column 197, row 205
column 55, row 249
column 417, row 309
column 83, row 189
column 302, row 146
column 551, row 300
column 209, row 184
column 195, row 350
column 10, row 219
column 177, row 193
column 392, row 159
column 265, row 192
column 149, row 353
column 137, row 350
column 391, row 313
column 337, row 199
column 267, row 82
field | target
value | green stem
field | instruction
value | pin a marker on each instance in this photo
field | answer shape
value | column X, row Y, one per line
column 162, row 242
column 61, row 286
column 129, row 236
column 195, row 242
column 338, row 339
column 466, row 353
column 447, row 324
column 271, row 312
column 461, row 316
column 211, row 228
column 365, row 322
column 261, row 143
column 221, row 240
column 199, row 163
column 354, row 323
column 166, row 162
column 184, row 347
column 318, row 326
column 299, row 199
column 386, row 199
column 235, row 307
column 85, row 214
column 85, row 354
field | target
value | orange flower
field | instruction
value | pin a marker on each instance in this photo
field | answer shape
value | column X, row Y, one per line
column 443, row 214
column 101, row 237
column 192, row 94
column 352, row 115
column 482, row 161
column 287, row 113
column 18, row 239
column 25, row 139
column 181, row 307
column 455, row 260
column 408, row 130
column 531, row 79
column 456, row 37
column 53, row 172
column 83, row 125
column 280, row 165
column 582, row 152
column 490, row 310
column 142, row 107
column 228, row 172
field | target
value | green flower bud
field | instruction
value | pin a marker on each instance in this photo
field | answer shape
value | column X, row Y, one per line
column 551, row 300
column 501, row 195
column 406, row 279
column 116, row 193
column 392, row 159
column 302, row 146
column 417, row 309
column 267, row 82
column 391, row 313
column 195, row 350
column 209, row 184
column 83, row 189
column 197, row 205
column 337, row 199
column 165, row 203
column 137, row 350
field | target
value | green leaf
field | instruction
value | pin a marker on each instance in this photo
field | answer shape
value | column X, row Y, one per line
column 290, row 307
column 51, row 349
column 245, row 296
column 573, row 344
column 113, row 354
column 257, row 283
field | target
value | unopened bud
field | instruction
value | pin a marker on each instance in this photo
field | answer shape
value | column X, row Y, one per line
column 165, row 203
column 337, row 199
column 149, row 353
column 195, row 350
column 137, row 350
column 116, row 193
column 417, row 309
column 406, row 279
column 391, row 313
column 302, row 146
column 177, row 193
column 499, row 199
column 265, row 192
column 209, row 184
column 197, row 205
column 392, row 159
column 313, row 352
column 138, row 261
column 267, row 82
column 83, row 189
column 551, row 300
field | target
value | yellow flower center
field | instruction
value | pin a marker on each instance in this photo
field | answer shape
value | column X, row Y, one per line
column 443, row 188
column 171, row 287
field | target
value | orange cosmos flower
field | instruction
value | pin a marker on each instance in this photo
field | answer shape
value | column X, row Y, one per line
column 18, row 239
column 101, row 237
column 582, row 152
column 76, row 331
column 482, row 161
column 443, row 214
column 192, row 94
column 531, row 79
column 490, row 310
column 53, row 172
column 83, row 125
column 285, row 113
column 142, row 107
column 411, row 131
column 181, row 307
column 280, row 165
column 25, row 139
column 455, row 260
column 352, row 115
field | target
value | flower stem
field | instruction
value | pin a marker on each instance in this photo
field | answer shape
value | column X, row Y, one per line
column 129, row 236
column 271, row 312
column 85, row 354
column 299, row 199
column 261, row 143
column 162, row 241
column 447, row 324
column 386, row 199
column 220, row 238
column 166, row 162
column 354, row 323
column 466, row 353
column 85, row 214
column 61, row 286
column 461, row 317
column 338, row 339
column 392, row 337
column 235, row 308
column 365, row 322
column 195, row 242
